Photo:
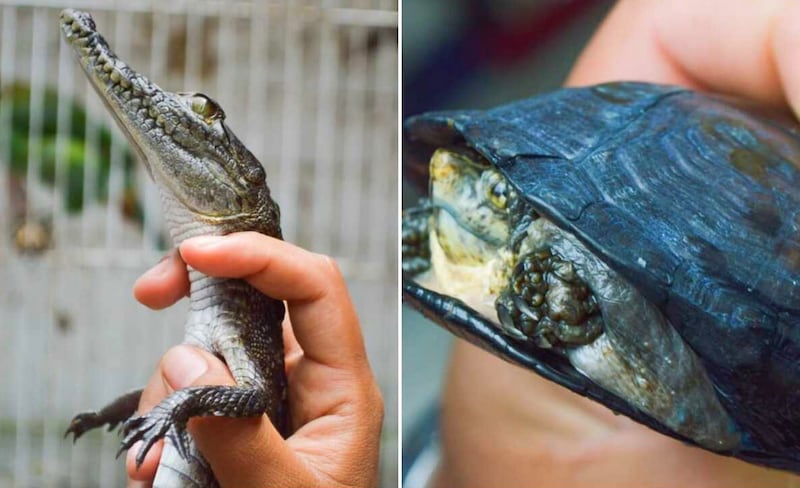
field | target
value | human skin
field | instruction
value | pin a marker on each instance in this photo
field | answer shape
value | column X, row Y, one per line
column 504, row 426
column 336, row 409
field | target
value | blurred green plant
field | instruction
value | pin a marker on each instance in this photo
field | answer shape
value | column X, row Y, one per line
column 75, row 151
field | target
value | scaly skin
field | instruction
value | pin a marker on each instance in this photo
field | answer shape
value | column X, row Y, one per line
column 210, row 185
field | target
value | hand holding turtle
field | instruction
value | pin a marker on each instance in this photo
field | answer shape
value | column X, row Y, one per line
column 336, row 408
column 541, row 432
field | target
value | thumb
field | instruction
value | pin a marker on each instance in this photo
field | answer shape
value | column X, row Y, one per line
column 241, row 451
column 184, row 366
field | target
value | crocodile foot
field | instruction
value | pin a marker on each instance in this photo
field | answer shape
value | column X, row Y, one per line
column 112, row 414
column 152, row 426
column 168, row 418
column 84, row 422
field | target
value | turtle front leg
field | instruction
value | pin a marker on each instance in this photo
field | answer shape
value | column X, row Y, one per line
column 169, row 418
column 547, row 303
column 112, row 414
column 416, row 248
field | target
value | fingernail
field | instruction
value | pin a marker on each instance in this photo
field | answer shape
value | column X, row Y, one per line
column 182, row 366
column 206, row 241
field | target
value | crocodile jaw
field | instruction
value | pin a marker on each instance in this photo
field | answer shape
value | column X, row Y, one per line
column 204, row 170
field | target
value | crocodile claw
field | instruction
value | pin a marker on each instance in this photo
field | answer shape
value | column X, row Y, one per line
column 112, row 415
column 180, row 439
column 152, row 426
column 82, row 423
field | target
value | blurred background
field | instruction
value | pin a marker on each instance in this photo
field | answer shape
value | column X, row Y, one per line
column 309, row 86
column 472, row 54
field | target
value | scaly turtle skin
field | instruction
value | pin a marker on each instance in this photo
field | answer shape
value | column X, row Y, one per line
column 636, row 243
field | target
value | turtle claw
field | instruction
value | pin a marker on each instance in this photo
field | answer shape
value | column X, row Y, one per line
column 416, row 251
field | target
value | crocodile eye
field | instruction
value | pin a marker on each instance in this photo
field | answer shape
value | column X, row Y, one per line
column 497, row 190
column 206, row 108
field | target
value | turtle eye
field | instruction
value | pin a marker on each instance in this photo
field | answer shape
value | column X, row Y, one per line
column 206, row 108
column 497, row 191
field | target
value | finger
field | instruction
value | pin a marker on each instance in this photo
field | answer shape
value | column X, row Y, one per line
column 323, row 318
column 625, row 48
column 147, row 471
column 736, row 47
column 163, row 284
column 291, row 348
column 241, row 452
column 277, row 268
column 138, row 484
column 723, row 44
column 785, row 46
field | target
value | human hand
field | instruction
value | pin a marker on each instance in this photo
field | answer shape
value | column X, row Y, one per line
column 735, row 47
column 503, row 426
column 336, row 407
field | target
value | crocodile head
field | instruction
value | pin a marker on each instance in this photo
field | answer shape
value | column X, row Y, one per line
column 210, row 183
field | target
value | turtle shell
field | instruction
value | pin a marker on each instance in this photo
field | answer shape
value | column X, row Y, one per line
column 694, row 199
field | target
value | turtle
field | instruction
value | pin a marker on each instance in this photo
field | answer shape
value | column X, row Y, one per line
column 636, row 243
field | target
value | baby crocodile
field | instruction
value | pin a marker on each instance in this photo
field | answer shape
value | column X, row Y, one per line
column 210, row 185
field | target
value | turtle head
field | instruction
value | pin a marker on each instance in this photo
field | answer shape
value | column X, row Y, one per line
column 462, row 232
column 471, row 200
column 204, row 172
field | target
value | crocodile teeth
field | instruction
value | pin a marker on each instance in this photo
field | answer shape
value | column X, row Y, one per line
column 115, row 76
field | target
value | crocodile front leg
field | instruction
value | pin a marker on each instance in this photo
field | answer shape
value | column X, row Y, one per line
column 112, row 414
